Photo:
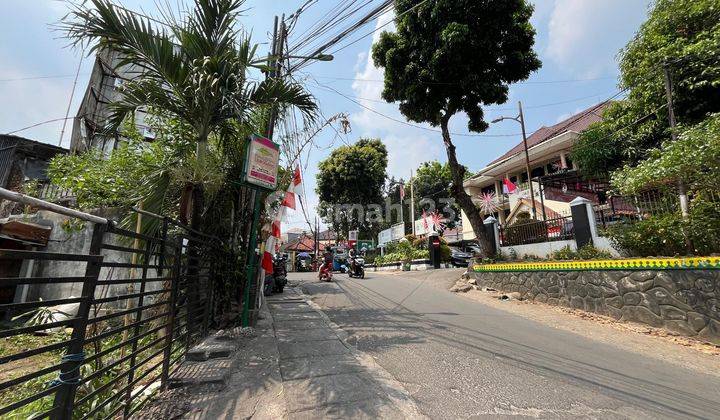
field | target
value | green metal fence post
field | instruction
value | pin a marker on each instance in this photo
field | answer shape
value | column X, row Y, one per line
column 250, row 260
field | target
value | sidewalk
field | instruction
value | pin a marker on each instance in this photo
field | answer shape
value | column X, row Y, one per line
column 296, row 365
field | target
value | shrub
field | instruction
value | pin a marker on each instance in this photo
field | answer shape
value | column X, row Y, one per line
column 667, row 234
column 588, row 252
column 564, row 253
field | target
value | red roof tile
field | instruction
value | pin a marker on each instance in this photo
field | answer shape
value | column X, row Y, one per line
column 578, row 122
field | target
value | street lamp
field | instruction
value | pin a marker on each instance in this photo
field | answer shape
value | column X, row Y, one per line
column 520, row 119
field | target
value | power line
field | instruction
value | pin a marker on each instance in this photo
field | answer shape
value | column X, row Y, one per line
column 365, row 19
column 37, row 124
column 545, row 105
column 455, row 83
column 378, row 28
column 410, row 124
column 58, row 76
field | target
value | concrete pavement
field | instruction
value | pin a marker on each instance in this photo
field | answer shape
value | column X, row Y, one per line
column 462, row 359
column 322, row 376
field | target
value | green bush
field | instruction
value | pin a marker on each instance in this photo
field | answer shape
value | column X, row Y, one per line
column 668, row 234
column 588, row 252
column 564, row 253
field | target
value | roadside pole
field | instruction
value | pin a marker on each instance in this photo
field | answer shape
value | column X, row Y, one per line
column 521, row 119
column 412, row 203
column 682, row 191
column 252, row 257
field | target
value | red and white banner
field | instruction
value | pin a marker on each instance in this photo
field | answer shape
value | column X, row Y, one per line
column 272, row 244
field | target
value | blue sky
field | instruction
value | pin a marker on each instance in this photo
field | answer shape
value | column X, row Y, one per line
column 577, row 41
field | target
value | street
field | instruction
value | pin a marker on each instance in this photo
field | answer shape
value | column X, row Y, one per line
column 460, row 359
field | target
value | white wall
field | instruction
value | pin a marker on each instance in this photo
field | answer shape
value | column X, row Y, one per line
column 542, row 249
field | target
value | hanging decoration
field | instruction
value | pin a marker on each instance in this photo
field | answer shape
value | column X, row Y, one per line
column 488, row 204
column 272, row 244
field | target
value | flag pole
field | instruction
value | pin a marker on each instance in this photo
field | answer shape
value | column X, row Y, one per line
column 402, row 197
column 412, row 203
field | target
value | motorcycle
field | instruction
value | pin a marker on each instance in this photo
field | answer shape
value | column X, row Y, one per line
column 280, row 273
column 357, row 268
column 276, row 282
column 326, row 272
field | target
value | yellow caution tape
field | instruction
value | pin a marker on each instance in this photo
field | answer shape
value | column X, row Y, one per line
column 694, row 263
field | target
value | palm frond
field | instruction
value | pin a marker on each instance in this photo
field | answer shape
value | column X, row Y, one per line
column 281, row 93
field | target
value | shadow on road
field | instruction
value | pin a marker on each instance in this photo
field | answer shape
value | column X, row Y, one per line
column 376, row 323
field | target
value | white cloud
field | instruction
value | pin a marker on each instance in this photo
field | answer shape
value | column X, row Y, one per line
column 407, row 146
column 585, row 35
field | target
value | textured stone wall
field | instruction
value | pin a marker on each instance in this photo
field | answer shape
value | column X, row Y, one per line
column 683, row 301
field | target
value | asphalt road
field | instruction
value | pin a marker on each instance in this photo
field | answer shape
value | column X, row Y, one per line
column 462, row 359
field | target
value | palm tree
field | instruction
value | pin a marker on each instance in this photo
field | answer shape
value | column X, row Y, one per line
column 194, row 69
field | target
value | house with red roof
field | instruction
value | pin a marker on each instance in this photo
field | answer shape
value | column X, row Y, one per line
column 556, row 180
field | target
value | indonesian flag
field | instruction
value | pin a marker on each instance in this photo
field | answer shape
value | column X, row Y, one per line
column 272, row 244
column 508, row 186
column 289, row 200
column 402, row 192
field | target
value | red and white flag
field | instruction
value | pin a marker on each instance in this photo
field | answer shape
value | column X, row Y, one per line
column 272, row 244
column 508, row 186
column 402, row 192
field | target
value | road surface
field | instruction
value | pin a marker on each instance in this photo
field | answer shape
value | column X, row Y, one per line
column 462, row 359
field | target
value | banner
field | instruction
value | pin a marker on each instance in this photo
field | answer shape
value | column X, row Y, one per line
column 263, row 160
column 385, row 236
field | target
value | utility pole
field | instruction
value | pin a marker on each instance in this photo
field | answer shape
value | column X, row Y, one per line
column 682, row 191
column 402, row 198
column 251, row 258
column 412, row 202
column 527, row 160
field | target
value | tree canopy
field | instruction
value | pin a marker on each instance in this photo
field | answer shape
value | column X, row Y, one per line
column 352, row 177
column 685, row 36
column 450, row 56
column 694, row 158
column 433, row 181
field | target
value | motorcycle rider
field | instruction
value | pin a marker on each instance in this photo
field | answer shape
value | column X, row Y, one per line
column 352, row 254
column 327, row 263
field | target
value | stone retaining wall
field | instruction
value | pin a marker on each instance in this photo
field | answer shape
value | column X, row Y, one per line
column 683, row 301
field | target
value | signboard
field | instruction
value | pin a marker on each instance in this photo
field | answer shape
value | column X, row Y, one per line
column 397, row 231
column 425, row 226
column 353, row 235
column 384, row 236
column 365, row 244
column 262, row 162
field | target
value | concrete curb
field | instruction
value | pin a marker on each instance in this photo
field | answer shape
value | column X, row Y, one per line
column 394, row 390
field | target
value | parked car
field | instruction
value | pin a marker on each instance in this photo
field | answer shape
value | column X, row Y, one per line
column 460, row 258
column 471, row 248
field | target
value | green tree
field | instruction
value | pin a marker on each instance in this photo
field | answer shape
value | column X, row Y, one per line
column 433, row 181
column 195, row 70
column 450, row 56
column 685, row 36
column 349, row 180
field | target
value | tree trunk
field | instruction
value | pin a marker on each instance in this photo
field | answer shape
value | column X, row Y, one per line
column 197, row 203
column 463, row 199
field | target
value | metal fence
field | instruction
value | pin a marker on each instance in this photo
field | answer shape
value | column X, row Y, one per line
column 102, row 360
column 537, row 231
column 635, row 207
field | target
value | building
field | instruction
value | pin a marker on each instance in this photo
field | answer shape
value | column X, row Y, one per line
column 24, row 161
column 103, row 89
column 556, row 180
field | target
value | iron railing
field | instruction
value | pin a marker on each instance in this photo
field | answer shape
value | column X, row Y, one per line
column 537, row 231
column 634, row 207
column 143, row 300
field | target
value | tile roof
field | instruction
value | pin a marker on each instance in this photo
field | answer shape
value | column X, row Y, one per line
column 578, row 122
